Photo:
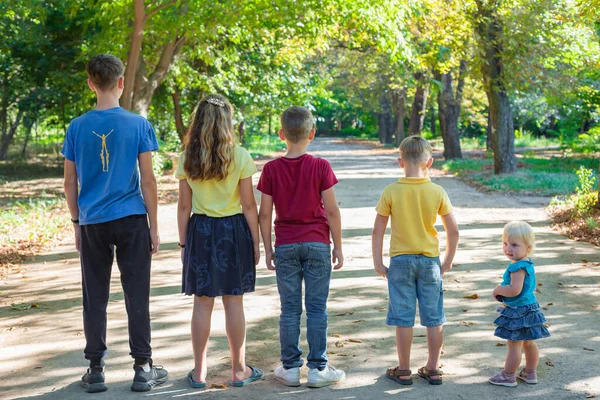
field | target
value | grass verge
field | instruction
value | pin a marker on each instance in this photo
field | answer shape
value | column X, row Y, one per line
column 261, row 145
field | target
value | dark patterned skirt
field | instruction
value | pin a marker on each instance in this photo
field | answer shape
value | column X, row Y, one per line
column 521, row 323
column 218, row 257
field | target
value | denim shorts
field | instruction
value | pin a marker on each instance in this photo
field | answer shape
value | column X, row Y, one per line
column 413, row 277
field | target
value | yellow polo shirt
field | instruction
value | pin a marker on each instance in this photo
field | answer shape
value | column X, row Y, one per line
column 220, row 198
column 413, row 205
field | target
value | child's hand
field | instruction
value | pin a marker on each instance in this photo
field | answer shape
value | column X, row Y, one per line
column 446, row 266
column 381, row 270
column 270, row 260
column 496, row 295
column 77, row 229
column 182, row 253
column 337, row 257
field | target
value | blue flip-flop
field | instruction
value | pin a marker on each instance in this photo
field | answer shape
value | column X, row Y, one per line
column 193, row 383
column 257, row 374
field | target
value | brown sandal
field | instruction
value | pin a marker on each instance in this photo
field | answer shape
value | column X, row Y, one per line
column 395, row 373
column 427, row 374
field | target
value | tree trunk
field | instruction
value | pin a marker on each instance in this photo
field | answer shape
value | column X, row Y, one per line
column 432, row 120
column 386, row 126
column 488, row 131
column 242, row 132
column 419, row 107
column 8, row 135
column 501, row 119
column 449, row 105
column 179, row 125
column 399, row 104
column 135, row 53
column 28, row 126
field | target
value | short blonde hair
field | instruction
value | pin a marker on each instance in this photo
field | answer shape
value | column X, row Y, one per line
column 520, row 230
column 415, row 149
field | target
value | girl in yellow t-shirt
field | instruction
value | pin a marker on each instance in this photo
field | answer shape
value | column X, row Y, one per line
column 219, row 242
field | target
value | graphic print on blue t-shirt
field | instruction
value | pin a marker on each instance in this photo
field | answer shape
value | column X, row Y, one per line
column 105, row 145
column 104, row 151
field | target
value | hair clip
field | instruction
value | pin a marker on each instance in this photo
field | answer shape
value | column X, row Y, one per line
column 215, row 101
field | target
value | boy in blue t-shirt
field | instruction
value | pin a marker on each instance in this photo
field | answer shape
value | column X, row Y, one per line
column 112, row 197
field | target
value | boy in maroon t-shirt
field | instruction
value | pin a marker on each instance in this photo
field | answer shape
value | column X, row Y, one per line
column 301, row 188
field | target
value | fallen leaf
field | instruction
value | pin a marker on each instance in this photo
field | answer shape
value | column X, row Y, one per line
column 590, row 396
column 336, row 335
column 381, row 309
column 538, row 291
column 38, row 367
column 544, row 308
column 339, row 343
column 343, row 314
column 559, row 283
column 217, row 386
column 456, row 280
column 500, row 344
column 331, row 352
column 355, row 340
column 550, row 304
column 469, row 270
column 549, row 362
column 473, row 296
column 420, row 335
column 342, row 355
column 540, row 284
column 465, row 309
column 358, row 320
column 584, row 260
column 588, row 349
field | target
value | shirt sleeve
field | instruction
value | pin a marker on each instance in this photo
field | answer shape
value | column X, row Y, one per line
column 329, row 179
column 517, row 266
column 384, row 206
column 247, row 164
column 180, row 172
column 264, row 183
column 68, row 149
column 445, row 205
column 148, row 140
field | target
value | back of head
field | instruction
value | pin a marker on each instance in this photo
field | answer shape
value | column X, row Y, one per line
column 415, row 150
column 296, row 123
column 104, row 70
column 210, row 139
column 520, row 230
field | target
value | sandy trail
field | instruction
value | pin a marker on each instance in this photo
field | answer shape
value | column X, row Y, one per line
column 41, row 349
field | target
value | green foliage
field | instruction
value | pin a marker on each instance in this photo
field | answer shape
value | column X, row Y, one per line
column 260, row 145
column 585, row 199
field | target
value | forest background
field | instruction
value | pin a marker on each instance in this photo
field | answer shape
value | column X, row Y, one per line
column 479, row 78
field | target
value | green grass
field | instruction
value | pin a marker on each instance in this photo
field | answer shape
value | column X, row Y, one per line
column 524, row 140
column 260, row 145
column 536, row 175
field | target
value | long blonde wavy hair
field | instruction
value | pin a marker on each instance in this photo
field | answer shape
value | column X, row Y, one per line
column 210, row 140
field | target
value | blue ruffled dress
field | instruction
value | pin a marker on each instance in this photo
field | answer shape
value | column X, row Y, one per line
column 521, row 318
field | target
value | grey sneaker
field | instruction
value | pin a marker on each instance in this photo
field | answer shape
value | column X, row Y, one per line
column 93, row 380
column 147, row 377
column 528, row 376
column 327, row 376
column 504, row 379
column 289, row 377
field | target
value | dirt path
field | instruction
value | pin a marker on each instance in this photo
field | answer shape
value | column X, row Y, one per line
column 41, row 348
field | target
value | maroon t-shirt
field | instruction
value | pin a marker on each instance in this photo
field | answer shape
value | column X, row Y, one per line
column 296, row 185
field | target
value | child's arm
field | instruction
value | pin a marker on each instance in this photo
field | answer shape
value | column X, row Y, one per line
column 334, row 219
column 184, row 209
column 250, row 213
column 71, row 194
column 150, row 194
column 377, row 244
column 516, row 285
column 451, row 228
column 265, row 215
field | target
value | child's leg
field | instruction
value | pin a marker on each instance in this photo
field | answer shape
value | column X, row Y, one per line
column 404, row 339
column 513, row 357
column 289, row 284
column 532, row 355
column 317, row 275
column 201, row 317
column 435, row 340
column 235, row 325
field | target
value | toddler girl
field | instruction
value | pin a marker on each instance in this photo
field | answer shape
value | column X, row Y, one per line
column 219, row 241
column 521, row 322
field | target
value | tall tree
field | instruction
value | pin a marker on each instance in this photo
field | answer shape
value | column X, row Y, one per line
column 449, row 104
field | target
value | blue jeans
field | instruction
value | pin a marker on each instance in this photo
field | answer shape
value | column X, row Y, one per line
column 293, row 262
column 412, row 277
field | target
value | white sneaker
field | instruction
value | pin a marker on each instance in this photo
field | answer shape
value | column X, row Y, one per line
column 289, row 377
column 328, row 376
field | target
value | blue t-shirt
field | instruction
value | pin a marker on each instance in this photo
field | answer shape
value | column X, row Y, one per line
column 527, row 295
column 104, row 145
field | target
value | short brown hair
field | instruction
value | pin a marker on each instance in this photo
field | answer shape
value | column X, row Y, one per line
column 297, row 122
column 415, row 149
column 104, row 70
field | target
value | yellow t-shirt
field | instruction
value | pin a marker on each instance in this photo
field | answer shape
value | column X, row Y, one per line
column 414, row 204
column 220, row 198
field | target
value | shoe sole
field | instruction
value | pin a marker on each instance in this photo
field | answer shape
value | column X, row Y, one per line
column 287, row 383
column 322, row 384
column 529, row 381
column 147, row 386
column 507, row 384
column 95, row 387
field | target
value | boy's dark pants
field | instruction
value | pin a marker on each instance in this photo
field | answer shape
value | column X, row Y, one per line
column 131, row 238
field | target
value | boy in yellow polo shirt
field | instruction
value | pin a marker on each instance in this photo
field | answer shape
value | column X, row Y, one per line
column 415, row 271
